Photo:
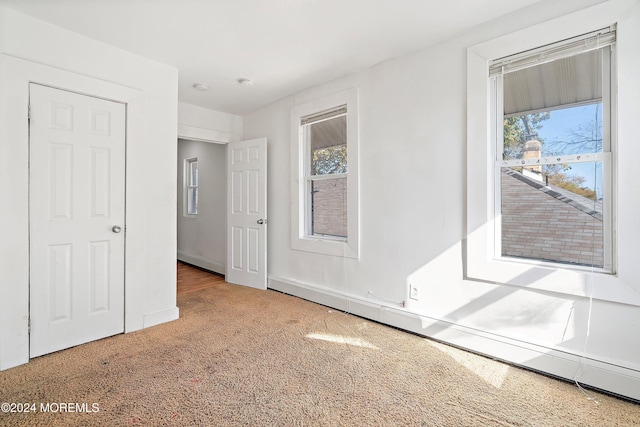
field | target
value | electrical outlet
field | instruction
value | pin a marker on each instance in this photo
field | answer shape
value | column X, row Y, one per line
column 413, row 292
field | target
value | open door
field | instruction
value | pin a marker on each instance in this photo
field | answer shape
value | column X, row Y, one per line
column 247, row 213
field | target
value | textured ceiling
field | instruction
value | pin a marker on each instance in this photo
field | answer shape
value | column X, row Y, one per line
column 283, row 46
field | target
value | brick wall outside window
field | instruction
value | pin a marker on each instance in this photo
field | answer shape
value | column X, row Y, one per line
column 329, row 207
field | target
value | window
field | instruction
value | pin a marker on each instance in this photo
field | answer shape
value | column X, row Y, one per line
column 498, row 172
column 191, row 187
column 325, row 175
column 326, row 172
column 552, row 164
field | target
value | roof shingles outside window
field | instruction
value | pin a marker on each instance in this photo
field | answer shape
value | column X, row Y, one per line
column 548, row 223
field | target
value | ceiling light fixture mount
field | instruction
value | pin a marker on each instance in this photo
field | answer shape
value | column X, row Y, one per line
column 242, row 81
column 201, row 87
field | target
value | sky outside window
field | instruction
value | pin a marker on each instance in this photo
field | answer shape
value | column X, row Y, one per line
column 575, row 130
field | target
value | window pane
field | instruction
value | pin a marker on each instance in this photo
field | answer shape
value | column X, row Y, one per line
column 329, row 160
column 193, row 173
column 553, row 215
column 328, row 146
column 329, row 207
column 554, row 108
column 571, row 130
column 192, row 201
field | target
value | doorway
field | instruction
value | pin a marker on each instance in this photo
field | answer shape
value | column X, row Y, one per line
column 226, row 232
column 202, row 235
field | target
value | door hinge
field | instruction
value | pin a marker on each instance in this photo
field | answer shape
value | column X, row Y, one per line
column 29, row 112
column 29, row 325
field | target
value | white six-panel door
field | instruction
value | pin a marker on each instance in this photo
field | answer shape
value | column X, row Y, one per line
column 76, row 217
column 247, row 213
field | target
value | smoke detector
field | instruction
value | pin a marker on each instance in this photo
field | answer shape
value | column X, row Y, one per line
column 201, row 87
column 244, row 81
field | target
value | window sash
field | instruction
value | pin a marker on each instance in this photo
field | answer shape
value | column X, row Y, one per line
column 308, row 151
column 554, row 160
column 497, row 105
column 193, row 173
column 192, row 200
column 310, row 231
column 325, row 177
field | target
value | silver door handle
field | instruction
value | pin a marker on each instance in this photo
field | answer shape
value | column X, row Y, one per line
column 261, row 221
column 116, row 229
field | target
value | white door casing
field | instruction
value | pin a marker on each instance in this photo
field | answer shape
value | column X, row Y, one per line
column 246, row 213
column 76, row 218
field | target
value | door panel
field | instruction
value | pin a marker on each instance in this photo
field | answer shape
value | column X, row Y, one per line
column 76, row 196
column 246, row 213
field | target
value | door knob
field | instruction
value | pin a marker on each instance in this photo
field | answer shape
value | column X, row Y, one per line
column 116, row 229
column 261, row 221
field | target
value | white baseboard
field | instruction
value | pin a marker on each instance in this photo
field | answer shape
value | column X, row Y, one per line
column 159, row 317
column 606, row 376
column 202, row 262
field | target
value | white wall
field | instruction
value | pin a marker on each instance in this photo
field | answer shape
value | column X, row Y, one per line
column 31, row 50
column 413, row 204
column 201, row 124
column 202, row 239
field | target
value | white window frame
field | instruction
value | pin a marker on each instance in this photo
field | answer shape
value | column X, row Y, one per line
column 188, row 185
column 480, row 260
column 301, row 239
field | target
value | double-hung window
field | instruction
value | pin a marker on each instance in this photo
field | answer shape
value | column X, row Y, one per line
column 553, row 175
column 325, row 175
column 541, row 159
column 190, row 188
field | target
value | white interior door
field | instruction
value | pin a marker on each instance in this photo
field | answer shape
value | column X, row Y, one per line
column 76, row 218
column 246, row 213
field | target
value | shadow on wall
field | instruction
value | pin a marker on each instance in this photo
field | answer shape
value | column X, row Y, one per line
column 557, row 333
column 516, row 312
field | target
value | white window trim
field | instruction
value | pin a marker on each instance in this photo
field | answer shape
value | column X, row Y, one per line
column 481, row 263
column 186, row 179
column 300, row 239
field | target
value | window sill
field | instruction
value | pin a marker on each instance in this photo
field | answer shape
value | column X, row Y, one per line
column 581, row 282
column 324, row 245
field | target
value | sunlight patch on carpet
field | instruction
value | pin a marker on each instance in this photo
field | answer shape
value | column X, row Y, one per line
column 490, row 371
column 339, row 339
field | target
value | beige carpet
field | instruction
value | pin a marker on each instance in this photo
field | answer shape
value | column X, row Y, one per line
column 242, row 357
